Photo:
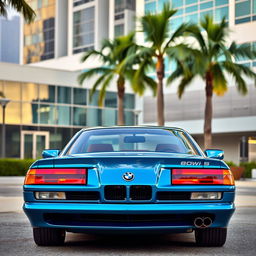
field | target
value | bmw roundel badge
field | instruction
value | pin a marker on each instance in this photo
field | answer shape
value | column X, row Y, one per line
column 128, row 176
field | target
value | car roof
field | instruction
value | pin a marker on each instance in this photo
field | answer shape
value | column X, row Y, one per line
column 128, row 127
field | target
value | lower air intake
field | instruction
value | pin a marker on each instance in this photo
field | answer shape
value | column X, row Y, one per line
column 115, row 192
column 139, row 192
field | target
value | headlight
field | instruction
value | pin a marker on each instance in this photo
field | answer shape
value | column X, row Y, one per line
column 206, row 195
column 50, row 195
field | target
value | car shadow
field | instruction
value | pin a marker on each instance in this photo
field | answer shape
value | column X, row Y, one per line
column 130, row 242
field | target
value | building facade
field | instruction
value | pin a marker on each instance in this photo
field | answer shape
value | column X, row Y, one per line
column 234, row 115
column 48, row 106
column 10, row 39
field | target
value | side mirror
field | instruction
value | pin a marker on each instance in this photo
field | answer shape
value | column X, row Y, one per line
column 50, row 153
column 214, row 153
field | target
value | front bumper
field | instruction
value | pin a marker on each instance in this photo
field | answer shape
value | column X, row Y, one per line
column 36, row 212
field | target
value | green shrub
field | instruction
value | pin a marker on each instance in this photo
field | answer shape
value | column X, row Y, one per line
column 14, row 167
column 248, row 168
column 230, row 163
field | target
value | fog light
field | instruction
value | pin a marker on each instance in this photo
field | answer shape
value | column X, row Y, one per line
column 205, row 195
column 50, row 195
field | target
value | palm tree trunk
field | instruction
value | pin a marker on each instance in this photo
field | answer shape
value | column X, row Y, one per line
column 120, row 101
column 208, row 111
column 160, row 94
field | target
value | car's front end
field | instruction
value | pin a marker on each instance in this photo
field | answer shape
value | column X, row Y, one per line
column 130, row 192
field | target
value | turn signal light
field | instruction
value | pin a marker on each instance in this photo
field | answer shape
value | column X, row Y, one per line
column 56, row 176
column 202, row 177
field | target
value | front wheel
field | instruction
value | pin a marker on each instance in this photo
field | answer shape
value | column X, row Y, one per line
column 49, row 236
column 211, row 236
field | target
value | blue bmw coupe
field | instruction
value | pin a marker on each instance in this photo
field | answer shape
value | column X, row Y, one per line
column 130, row 180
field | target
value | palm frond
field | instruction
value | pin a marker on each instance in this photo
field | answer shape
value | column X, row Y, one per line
column 216, row 32
column 97, row 54
column 20, row 6
column 177, row 33
column 242, row 51
column 195, row 32
column 156, row 26
column 236, row 74
column 103, row 89
column 92, row 72
column 97, row 83
column 185, row 81
column 219, row 80
column 3, row 7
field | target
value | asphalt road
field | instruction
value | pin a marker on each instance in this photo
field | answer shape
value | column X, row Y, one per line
column 16, row 236
column 16, row 239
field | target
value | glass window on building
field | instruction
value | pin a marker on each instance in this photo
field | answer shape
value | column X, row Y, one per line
column 220, row 13
column 245, row 11
column 83, row 29
column 63, row 115
column 64, row 94
column 47, row 93
column 79, row 116
column 121, row 5
column 192, row 18
column 119, row 30
column 30, row 113
column 177, row 3
column 80, row 2
column 13, row 113
column 206, row 5
column 30, row 92
column 47, row 114
column 80, row 96
column 39, row 35
column 109, row 117
column 13, row 140
column 111, row 99
column 175, row 23
column 191, row 2
column 221, row 2
column 59, row 137
column 93, row 100
column 12, row 90
column 150, row 7
column 94, row 117
column 129, row 101
column 129, row 118
column 161, row 4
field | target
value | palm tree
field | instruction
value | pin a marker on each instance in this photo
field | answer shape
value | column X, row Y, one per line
column 112, row 55
column 211, row 59
column 20, row 6
column 158, row 40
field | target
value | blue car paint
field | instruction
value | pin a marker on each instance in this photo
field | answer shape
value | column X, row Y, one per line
column 149, row 169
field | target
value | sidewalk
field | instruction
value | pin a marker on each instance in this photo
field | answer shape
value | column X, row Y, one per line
column 246, row 183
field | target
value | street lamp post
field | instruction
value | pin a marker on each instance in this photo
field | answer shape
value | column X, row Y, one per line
column 3, row 102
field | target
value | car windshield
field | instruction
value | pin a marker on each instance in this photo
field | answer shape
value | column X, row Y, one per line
column 132, row 140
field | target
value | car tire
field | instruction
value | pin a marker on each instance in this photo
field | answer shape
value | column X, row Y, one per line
column 211, row 236
column 49, row 236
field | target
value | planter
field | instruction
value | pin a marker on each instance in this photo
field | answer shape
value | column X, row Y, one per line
column 237, row 171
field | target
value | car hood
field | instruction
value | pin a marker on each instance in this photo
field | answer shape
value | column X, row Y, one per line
column 147, row 167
